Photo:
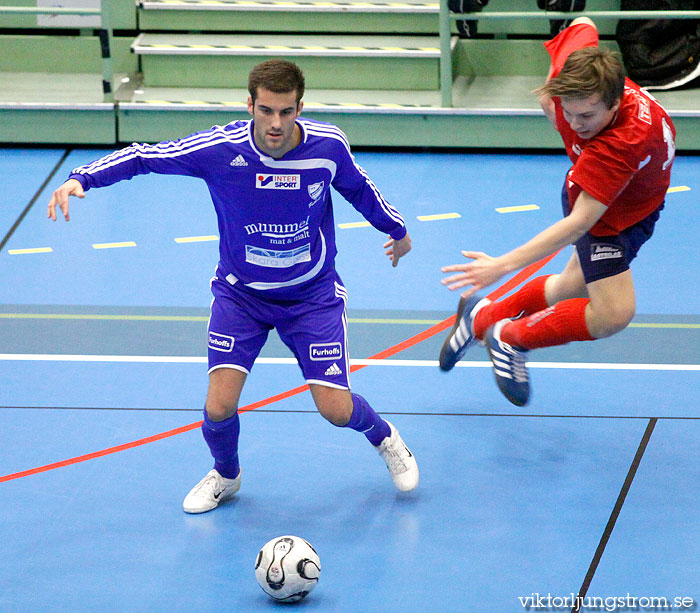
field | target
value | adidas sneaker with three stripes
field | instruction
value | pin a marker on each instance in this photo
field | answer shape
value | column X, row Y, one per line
column 461, row 336
column 509, row 365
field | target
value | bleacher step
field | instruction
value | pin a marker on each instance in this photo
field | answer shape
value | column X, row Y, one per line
column 322, row 16
column 408, row 6
column 299, row 45
column 328, row 62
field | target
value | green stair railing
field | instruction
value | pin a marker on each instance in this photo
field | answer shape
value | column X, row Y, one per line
column 447, row 18
column 104, row 33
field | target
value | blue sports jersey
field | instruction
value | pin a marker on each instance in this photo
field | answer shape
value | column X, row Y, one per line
column 275, row 216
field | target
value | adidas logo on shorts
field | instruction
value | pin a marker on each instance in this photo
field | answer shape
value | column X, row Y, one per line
column 239, row 161
column 333, row 370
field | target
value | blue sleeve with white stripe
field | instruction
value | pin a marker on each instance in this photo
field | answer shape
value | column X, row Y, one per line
column 185, row 157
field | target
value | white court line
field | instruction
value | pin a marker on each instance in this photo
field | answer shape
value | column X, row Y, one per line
column 165, row 359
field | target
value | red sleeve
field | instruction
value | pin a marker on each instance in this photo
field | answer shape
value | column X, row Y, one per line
column 569, row 40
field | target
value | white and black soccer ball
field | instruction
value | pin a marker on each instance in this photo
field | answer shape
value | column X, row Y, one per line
column 287, row 568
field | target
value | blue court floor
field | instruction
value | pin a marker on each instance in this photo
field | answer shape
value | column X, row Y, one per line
column 593, row 485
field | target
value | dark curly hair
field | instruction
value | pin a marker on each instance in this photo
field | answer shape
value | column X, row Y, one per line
column 278, row 76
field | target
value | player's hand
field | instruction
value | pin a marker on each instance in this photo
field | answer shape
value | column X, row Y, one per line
column 397, row 249
column 480, row 273
column 60, row 197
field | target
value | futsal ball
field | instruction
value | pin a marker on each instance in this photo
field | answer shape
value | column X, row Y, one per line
column 287, row 568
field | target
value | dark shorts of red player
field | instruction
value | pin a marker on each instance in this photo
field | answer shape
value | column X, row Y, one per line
column 606, row 256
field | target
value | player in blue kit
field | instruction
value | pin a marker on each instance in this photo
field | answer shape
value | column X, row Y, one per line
column 269, row 178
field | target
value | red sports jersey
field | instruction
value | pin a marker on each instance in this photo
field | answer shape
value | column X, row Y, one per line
column 626, row 166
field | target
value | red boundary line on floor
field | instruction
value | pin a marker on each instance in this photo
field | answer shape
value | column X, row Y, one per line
column 524, row 274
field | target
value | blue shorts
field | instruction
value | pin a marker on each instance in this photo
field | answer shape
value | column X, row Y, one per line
column 606, row 256
column 315, row 329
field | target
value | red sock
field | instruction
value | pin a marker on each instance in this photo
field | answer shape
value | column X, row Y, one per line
column 527, row 300
column 556, row 325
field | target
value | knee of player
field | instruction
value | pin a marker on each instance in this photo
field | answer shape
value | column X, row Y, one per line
column 217, row 411
column 335, row 410
column 615, row 319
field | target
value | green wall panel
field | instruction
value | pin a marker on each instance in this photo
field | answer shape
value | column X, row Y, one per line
column 505, row 57
column 155, row 126
column 45, row 126
column 366, row 129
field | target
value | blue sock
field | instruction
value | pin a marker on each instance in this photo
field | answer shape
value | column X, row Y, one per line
column 222, row 438
column 366, row 420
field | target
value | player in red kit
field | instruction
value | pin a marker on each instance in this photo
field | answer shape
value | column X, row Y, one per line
column 621, row 144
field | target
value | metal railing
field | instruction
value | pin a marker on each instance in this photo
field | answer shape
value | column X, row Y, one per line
column 104, row 33
column 447, row 18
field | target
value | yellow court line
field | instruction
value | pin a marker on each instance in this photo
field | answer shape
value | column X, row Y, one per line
column 679, row 326
column 422, row 322
column 113, row 245
column 89, row 316
column 517, row 209
column 27, row 251
column 438, row 217
column 679, row 188
column 353, row 320
column 354, row 224
column 196, row 239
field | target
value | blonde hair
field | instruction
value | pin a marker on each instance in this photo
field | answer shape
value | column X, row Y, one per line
column 588, row 71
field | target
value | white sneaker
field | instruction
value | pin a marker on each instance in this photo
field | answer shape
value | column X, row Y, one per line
column 210, row 491
column 399, row 460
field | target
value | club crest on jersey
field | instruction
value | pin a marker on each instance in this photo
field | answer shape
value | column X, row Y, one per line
column 325, row 351
column 316, row 189
column 263, row 181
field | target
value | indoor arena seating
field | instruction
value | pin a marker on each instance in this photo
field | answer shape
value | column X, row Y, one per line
column 391, row 73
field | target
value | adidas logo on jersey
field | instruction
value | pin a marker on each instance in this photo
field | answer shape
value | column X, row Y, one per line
column 239, row 161
column 333, row 370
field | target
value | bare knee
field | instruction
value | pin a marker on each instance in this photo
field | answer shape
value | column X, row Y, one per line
column 609, row 319
column 333, row 404
column 217, row 411
column 562, row 287
column 225, row 385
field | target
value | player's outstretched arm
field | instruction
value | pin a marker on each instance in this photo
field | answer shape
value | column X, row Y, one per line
column 485, row 270
column 482, row 271
column 60, row 197
column 397, row 249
